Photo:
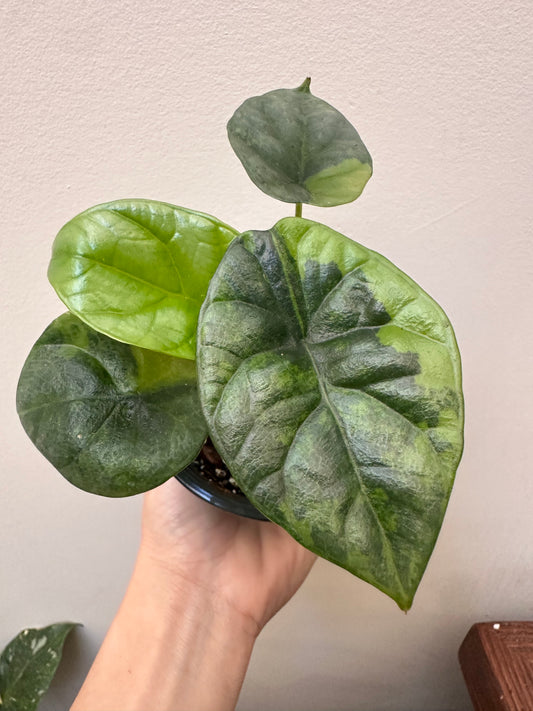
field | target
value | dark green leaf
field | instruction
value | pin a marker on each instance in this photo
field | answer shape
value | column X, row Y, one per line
column 138, row 271
column 28, row 665
column 114, row 419
column 297, row 148
column 331, row 385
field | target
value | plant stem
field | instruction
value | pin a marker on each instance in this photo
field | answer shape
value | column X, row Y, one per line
column 298, row 211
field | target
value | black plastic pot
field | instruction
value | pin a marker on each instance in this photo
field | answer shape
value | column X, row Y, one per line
column 193, row 479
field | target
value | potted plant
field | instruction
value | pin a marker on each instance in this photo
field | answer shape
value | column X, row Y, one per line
column 328, row 381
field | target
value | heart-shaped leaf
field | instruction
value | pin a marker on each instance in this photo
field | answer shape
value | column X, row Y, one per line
column 297, row 148
column 114, row 419
column 138, row 271
column 331, row 386
column 28, row 665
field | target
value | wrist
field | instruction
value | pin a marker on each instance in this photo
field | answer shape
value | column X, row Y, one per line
column 169, row 647
column 200, row 633
column 175, row 584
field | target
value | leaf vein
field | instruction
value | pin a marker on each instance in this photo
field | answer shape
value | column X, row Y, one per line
column 356, row 470
column 134, row 277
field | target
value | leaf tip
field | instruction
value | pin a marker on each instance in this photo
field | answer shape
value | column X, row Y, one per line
column 405, row 604
column 305, row 86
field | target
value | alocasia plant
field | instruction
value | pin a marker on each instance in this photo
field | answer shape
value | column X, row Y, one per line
column 328, row 380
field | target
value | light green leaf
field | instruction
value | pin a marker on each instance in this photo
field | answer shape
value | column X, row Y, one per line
column 297, row 148
column 138, row 271
column 331, row 386
column 28, row 665
column 114, row 419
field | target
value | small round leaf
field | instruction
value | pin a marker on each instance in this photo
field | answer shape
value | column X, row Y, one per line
column 297, row 148
column 114, row 419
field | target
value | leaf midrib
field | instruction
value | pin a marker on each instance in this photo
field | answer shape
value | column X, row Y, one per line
column 338, row 422
column 153, row 234
column 354, row 464
column 303, row 151
column 135, row 277
column 285, row 268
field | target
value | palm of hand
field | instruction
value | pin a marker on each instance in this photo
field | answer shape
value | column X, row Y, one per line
column 253, row 566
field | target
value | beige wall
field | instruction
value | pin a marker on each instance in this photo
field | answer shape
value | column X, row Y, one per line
column 105, row 100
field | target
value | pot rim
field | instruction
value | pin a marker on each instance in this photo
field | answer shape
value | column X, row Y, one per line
column 193, row 480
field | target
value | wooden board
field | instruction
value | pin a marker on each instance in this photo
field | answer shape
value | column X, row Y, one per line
column 497, row 663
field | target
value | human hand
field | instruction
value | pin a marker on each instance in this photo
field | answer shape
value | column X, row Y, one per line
column 205, row 583
column 254, row 567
